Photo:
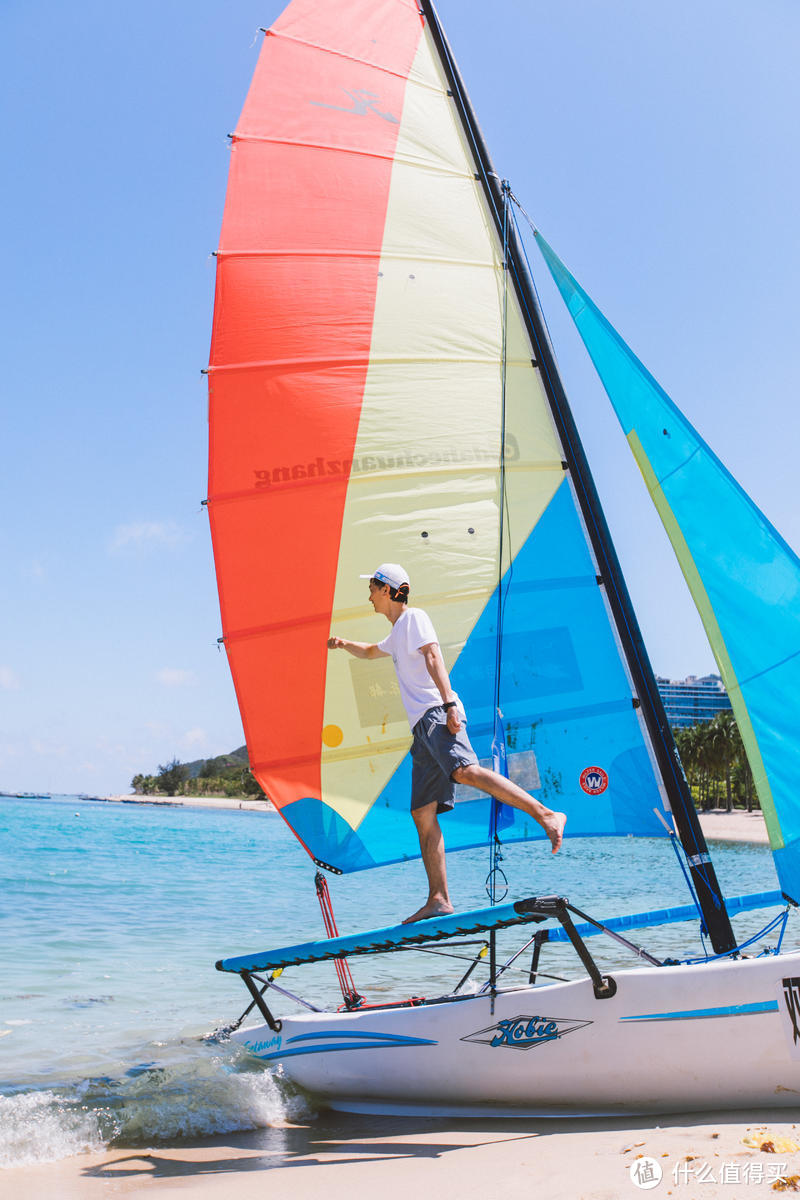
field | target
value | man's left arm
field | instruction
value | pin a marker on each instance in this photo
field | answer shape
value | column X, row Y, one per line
column 438, row 673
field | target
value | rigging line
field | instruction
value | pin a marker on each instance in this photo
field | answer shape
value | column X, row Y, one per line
column 681, row 855
column 608, row 577
column 704, row 447
column 687, row 878
column 782, row 917
column 521, row 241
column 495, row 871
column 502, row 481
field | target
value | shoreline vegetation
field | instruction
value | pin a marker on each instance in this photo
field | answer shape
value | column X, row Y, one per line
column 228, row 776
column 712, row 754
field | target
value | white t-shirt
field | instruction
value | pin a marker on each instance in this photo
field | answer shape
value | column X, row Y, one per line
column 411, row 630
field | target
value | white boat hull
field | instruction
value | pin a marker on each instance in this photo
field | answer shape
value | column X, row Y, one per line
column 714, row 1035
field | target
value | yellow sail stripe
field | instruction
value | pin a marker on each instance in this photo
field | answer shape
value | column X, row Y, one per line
column 714, row 634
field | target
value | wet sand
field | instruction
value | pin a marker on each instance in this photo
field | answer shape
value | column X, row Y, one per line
column 345, row 1158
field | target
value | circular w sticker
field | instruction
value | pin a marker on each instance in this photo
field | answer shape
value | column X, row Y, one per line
column 594, row 780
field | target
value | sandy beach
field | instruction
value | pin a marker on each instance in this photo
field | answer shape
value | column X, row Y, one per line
column 714, row 1155
column 737, row 826
column 191, row 801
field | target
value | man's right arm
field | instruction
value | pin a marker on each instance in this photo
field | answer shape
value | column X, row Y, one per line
column 357, row 649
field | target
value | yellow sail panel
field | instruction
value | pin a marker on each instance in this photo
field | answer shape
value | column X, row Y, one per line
column 424, row 487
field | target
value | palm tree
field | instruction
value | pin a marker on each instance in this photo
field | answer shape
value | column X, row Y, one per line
column 712, row 751
column 724, row 745
column 693, row 750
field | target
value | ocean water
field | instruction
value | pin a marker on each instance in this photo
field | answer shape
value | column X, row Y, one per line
column 113, row 915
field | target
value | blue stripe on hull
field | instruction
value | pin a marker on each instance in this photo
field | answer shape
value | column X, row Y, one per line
column 699, row 1014
column 381, row 1041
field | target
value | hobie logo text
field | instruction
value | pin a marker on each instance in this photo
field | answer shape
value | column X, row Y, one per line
column 523, row 1032
column 512, row 1033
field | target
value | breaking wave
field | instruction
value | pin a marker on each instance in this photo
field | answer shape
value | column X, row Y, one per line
column 194, row 1095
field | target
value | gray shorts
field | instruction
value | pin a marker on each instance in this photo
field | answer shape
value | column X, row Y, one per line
column 435, row 754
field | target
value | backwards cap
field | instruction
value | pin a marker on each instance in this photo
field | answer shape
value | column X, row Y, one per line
column 391, row 573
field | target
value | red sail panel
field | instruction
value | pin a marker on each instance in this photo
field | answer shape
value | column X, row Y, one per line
column 297, row 270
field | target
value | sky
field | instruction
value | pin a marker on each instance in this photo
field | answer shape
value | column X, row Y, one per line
column 654, row 144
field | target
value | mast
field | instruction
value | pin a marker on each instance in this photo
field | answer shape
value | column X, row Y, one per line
column 703, row 876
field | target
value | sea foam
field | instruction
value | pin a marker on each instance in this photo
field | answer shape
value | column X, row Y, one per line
column 195, row 1096
column 38, row 1127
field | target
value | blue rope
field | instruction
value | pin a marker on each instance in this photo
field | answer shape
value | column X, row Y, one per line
column 781, row 918
column 674, row 843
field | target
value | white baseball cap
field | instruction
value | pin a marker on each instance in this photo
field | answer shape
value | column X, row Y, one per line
column 391, row 573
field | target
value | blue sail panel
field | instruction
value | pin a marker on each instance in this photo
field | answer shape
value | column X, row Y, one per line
column 744, row 578
column 573, row 736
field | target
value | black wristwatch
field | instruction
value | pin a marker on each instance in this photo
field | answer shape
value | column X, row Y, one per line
column 450, row 704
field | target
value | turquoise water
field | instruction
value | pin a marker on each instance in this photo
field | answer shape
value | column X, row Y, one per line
column 113, row 915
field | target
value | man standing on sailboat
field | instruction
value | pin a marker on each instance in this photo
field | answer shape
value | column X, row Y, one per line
column 441, row 751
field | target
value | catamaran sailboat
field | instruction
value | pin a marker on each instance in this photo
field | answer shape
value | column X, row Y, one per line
column 382, row 387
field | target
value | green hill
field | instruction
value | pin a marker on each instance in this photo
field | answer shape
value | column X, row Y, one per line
column 226, row 775
column 236, row 758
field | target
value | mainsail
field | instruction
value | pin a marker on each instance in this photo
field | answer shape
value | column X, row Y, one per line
column 744, row 578
column 374, row 395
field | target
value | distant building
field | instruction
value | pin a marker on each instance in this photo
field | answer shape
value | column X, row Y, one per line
column 688, row 701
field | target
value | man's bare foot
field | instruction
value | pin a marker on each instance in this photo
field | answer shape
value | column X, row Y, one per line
column 554, row 828
column 434, row 908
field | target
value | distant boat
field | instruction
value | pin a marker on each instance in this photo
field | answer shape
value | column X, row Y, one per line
column 28, row 795
column 382, row 387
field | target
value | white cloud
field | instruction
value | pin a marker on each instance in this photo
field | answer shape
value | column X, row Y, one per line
column 48, row 748
column 9, row 680
column 175, row 677
column 146, row 535
column 34, row 570
column 8, row 751
column 194, row 737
